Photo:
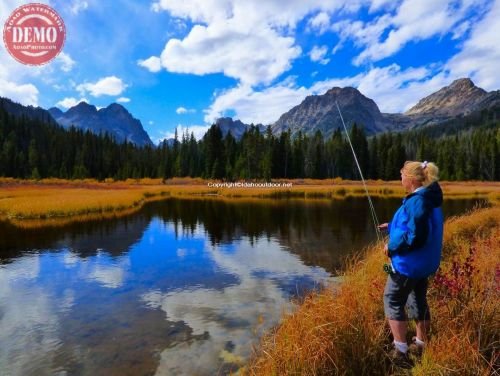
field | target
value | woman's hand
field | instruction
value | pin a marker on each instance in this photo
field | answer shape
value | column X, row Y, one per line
column 383, row 226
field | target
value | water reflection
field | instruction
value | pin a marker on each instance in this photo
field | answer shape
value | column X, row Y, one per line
column 183, row 287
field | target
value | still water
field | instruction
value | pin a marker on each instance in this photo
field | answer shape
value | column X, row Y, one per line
column 184, row 287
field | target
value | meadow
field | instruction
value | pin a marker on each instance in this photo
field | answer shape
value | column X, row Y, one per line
column 30, row 203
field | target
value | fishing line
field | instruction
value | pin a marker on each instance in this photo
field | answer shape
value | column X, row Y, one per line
column 372, row 208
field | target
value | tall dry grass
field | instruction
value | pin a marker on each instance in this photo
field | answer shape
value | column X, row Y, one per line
column 342, row 331
column 29, row 203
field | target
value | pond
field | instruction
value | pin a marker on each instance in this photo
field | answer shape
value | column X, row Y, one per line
column 183, row 287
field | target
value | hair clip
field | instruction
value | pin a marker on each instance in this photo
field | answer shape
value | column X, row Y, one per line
column 424, row 165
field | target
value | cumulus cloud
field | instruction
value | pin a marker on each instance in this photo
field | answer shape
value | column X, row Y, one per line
column 183, row 110
column 249, row 41
column 320, row 23
column 153, row 64
column 197, row 130
column 123, row 100
column 111, row 85
column 67, row 63
column 480, row 56
column 70, row 102
column 243, row 101
column 77, row 6
column 414, row 20
column 251, row 57
column 26, row 94
column 318, row 54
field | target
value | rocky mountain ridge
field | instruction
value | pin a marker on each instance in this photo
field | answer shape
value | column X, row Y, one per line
column 319, row 112
column 114, row 119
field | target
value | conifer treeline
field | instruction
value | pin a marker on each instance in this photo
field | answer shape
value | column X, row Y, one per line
column 32, row 149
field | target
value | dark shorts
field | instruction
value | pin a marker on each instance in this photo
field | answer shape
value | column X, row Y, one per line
column 401, row 291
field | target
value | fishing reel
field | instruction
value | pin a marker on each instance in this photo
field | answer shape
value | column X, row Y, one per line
column 388, row 268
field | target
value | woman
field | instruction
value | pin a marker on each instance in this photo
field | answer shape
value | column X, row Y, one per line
column 415, row 242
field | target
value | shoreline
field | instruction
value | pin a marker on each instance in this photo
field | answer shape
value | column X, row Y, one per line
column 55, row 202
column 343, row 330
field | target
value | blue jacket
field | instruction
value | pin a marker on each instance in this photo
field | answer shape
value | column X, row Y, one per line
column 416, row 233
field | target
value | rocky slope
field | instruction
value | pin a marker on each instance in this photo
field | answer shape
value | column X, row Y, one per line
column 236, row 127
column 319, row 112
column 30, row 112
column 114, row 119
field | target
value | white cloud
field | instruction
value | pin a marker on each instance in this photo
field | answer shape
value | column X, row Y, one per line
column 318, row 53
column 197, row 130
column 67, row 63
column 78, row 5
column 243, row 101
column 396, row 90
column 461, row 29
column 480, row 55
column 379, row 4
column 105, row 86
column 26, row 94
column 252, row 57
column 414, row 20
column 153, row 64
column 183, row 110
column 319, row 23
column 70, row 102
column 123, row 100
column 250, row 41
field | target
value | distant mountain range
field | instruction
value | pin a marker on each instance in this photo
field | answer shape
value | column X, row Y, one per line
column 316, row 112
column 319, row 112
column 114, row 119
column 236, row 127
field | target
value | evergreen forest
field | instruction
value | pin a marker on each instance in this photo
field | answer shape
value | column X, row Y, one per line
column 464, row 149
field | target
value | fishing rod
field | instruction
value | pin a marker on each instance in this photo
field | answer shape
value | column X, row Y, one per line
column 372, row 208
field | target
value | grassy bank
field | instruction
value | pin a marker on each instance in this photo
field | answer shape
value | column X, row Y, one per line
column 344, row 332
column 38, row 203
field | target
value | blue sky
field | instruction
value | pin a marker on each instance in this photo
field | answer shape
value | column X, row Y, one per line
column 183, row 63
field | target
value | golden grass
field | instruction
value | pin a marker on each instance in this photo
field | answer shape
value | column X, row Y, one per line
column 30, row 203
column 342, row 330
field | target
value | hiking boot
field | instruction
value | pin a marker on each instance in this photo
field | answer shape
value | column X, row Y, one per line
column 415, row 349
column 400, row 359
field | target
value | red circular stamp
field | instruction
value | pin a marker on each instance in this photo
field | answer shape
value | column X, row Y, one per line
column 34, row 34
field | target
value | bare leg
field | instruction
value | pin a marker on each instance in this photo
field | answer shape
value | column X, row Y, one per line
column 398, row 329
column 423, row 328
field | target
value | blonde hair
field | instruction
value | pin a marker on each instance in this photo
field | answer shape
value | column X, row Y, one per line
column 425, row 172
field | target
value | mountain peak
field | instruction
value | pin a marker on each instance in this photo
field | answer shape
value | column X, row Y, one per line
column 115, row 107
column 342, row 90
column 460, row 97
column 82, row 108
column 319, row 112
column 236, row 127
column 114, row 120
column 462, row 83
